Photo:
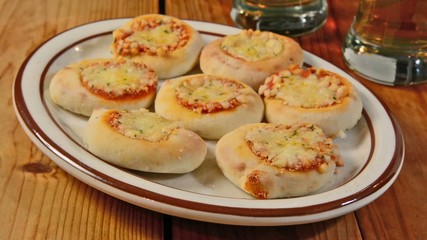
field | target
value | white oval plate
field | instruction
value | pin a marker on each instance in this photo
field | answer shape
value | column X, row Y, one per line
column 373, row 151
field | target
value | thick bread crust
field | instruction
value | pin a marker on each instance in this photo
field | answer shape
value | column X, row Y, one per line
column 215, row 60
column 166, row 60
column 180, row 152
column 334, row 119
column 208, row 125
column 261, row 178
column 66, row 90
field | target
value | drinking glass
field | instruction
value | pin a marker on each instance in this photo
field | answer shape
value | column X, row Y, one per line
column 387, row 41
column 287, row 17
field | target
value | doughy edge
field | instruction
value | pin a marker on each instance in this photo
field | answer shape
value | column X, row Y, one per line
column 334, row 120
column 66, row 90
column 236, row 161
column 174, row 63
column 182, row 152
column 210, row 125
column 214, row 60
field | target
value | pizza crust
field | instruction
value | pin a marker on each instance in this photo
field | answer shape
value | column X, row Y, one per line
column 166, row 44
column 266, row 171
column 223, row 60
column 69, row 90
column 167, row 149
column 223, row 118
column 308, row 101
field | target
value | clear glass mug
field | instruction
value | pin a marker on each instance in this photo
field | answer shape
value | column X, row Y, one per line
column 387, row 41
column 287, row 17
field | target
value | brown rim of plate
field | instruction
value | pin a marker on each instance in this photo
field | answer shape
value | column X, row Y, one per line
column 21, row 108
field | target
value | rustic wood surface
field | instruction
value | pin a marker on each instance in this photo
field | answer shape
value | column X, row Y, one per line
column 38, row 200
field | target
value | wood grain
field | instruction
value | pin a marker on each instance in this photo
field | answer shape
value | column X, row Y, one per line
column 38, row 200
column 339, row 228
column 217, row 11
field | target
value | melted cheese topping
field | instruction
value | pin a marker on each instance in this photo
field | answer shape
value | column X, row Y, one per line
column 206, row 94
column 253, row 46
column 308, row 88
column 117, row 78
column 141, row 124
column 296, row 148
column 154, row 35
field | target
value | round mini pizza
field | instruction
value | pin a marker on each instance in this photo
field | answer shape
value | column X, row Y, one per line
column 83, row 86
column 166, row 44
column 250, row 56
column 312, row 95
column 275, row 161
column 144, row 141
column 209, row 105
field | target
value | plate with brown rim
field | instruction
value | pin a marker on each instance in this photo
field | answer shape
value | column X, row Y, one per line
column 373, row 151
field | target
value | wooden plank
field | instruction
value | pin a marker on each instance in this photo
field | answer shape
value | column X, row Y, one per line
column 400, row 212
column 339, row 228
column 210, row 11
column 38, row 200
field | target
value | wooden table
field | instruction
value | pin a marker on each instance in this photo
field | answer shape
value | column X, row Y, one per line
column 40, row 200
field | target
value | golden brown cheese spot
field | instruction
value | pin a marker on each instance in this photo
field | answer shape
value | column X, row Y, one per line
column 295, row 148
column 255, row 186
column 253, row 45
column 307, row 88
column 141, row 124
column 118, row 79
column 210, row 94
column 156, row 35
column 241, row 167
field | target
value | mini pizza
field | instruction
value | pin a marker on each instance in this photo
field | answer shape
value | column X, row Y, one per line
column 144, row 141
column 250, row 56
column 209, row 105
column 275, row 161
column 89, row 84
column 166, row 44
column 311, row 95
